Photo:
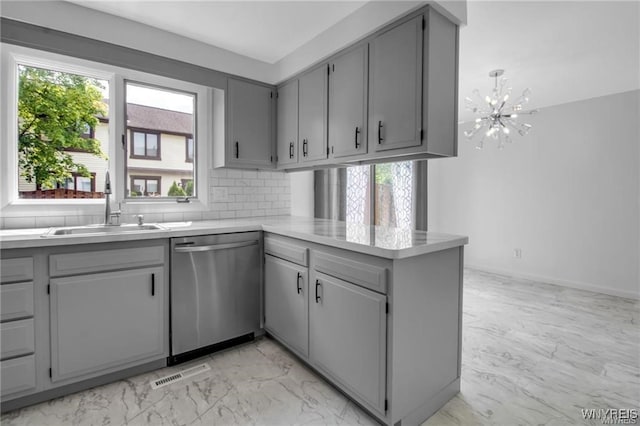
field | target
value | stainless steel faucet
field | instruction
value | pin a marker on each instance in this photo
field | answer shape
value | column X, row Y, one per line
column 108, row 215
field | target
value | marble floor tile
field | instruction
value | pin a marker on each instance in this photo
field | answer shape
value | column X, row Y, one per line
column 533, row 354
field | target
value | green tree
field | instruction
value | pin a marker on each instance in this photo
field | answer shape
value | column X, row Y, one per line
column 384, row 173
column 176, row 191
column 188, row 188
column 54, row 110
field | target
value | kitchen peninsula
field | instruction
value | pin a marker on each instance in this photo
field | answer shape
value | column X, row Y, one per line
column 374, row 310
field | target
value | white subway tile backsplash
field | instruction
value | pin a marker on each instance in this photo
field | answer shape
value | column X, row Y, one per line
column 211, row 215
column 49, row 221
column 153, row 217
column 232, row 193
column 192, row 216
column 173, row 217
column 20, row 222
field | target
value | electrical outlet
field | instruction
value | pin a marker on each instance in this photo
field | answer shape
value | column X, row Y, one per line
column 517, row 253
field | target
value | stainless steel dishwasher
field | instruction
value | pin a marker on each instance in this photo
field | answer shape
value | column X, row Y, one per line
column 215, row 292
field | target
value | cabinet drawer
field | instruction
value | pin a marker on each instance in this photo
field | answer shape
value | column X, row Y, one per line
column 17, row 338
column 14, row 270
column 104, row 260
column 18, row 374
column 16, row 301
column 360, row 273
column 287, row 250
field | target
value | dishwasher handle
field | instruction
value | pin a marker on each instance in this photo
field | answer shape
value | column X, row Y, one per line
column 192, row 249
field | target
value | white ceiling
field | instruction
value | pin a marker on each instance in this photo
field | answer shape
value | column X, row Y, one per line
column 563, row 50
column 263, row 30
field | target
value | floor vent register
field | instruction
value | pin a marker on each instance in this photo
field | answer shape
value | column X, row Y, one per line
column 182, row 374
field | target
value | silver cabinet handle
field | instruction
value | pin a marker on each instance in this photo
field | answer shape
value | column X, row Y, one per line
column 191, row 249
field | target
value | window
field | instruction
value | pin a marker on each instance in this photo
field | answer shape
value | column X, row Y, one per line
column 145, row 144
column 88, row 132
column 80, row 183
column 57, row 114
column 148, row 186
column 160, row 119
column 156, row 115
column 389, row 195
column 189, row 150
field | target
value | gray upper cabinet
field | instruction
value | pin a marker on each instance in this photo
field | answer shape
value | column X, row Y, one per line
column 395, row 87
column 286, row 303
column 287, row 124
column 312, row 110
column 392, row 96
column 250, row 117
column 107, row 321
column 347, row 103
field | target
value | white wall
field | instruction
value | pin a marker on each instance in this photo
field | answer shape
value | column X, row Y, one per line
column 567, row 195
column 302, row 193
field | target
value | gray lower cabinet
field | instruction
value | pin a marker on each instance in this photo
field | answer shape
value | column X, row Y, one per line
column 17, row 331
column 78, row 316
column 18, row 375
column 286, row 289
column 106, row 320
column 387, row 332
column 347, row 335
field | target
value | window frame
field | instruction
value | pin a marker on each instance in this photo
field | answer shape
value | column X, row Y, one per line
column 146, row 178
column 11, row 205
column 146, row 132
column 75, row 177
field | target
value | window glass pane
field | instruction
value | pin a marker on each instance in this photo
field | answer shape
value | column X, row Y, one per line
column 358, row 199
column 152, row 187
column 168, row 116
column 190, row 149
column 56, row 112
column 152, row 145
column 84, row 183
column 139, row 186
column 138, row 144
column 394, row 194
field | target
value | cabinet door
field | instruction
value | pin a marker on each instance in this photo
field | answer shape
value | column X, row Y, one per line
column 395, row 87
column 250, row 124
column 107, row 320
column 313, row 115
column 286, row 302
column 347, row 103
column 347, row 336
column 287, row 124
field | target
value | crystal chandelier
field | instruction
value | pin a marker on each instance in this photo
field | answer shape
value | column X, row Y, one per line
column 496, row 118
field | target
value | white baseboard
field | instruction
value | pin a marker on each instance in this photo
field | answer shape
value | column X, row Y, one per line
column 559, row 282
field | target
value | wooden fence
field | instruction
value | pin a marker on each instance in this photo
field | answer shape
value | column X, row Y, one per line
column 60, row 194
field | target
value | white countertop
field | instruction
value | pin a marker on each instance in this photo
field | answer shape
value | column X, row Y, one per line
column 391, row 243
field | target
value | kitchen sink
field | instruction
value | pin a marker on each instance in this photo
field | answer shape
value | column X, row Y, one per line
column 103, row 229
